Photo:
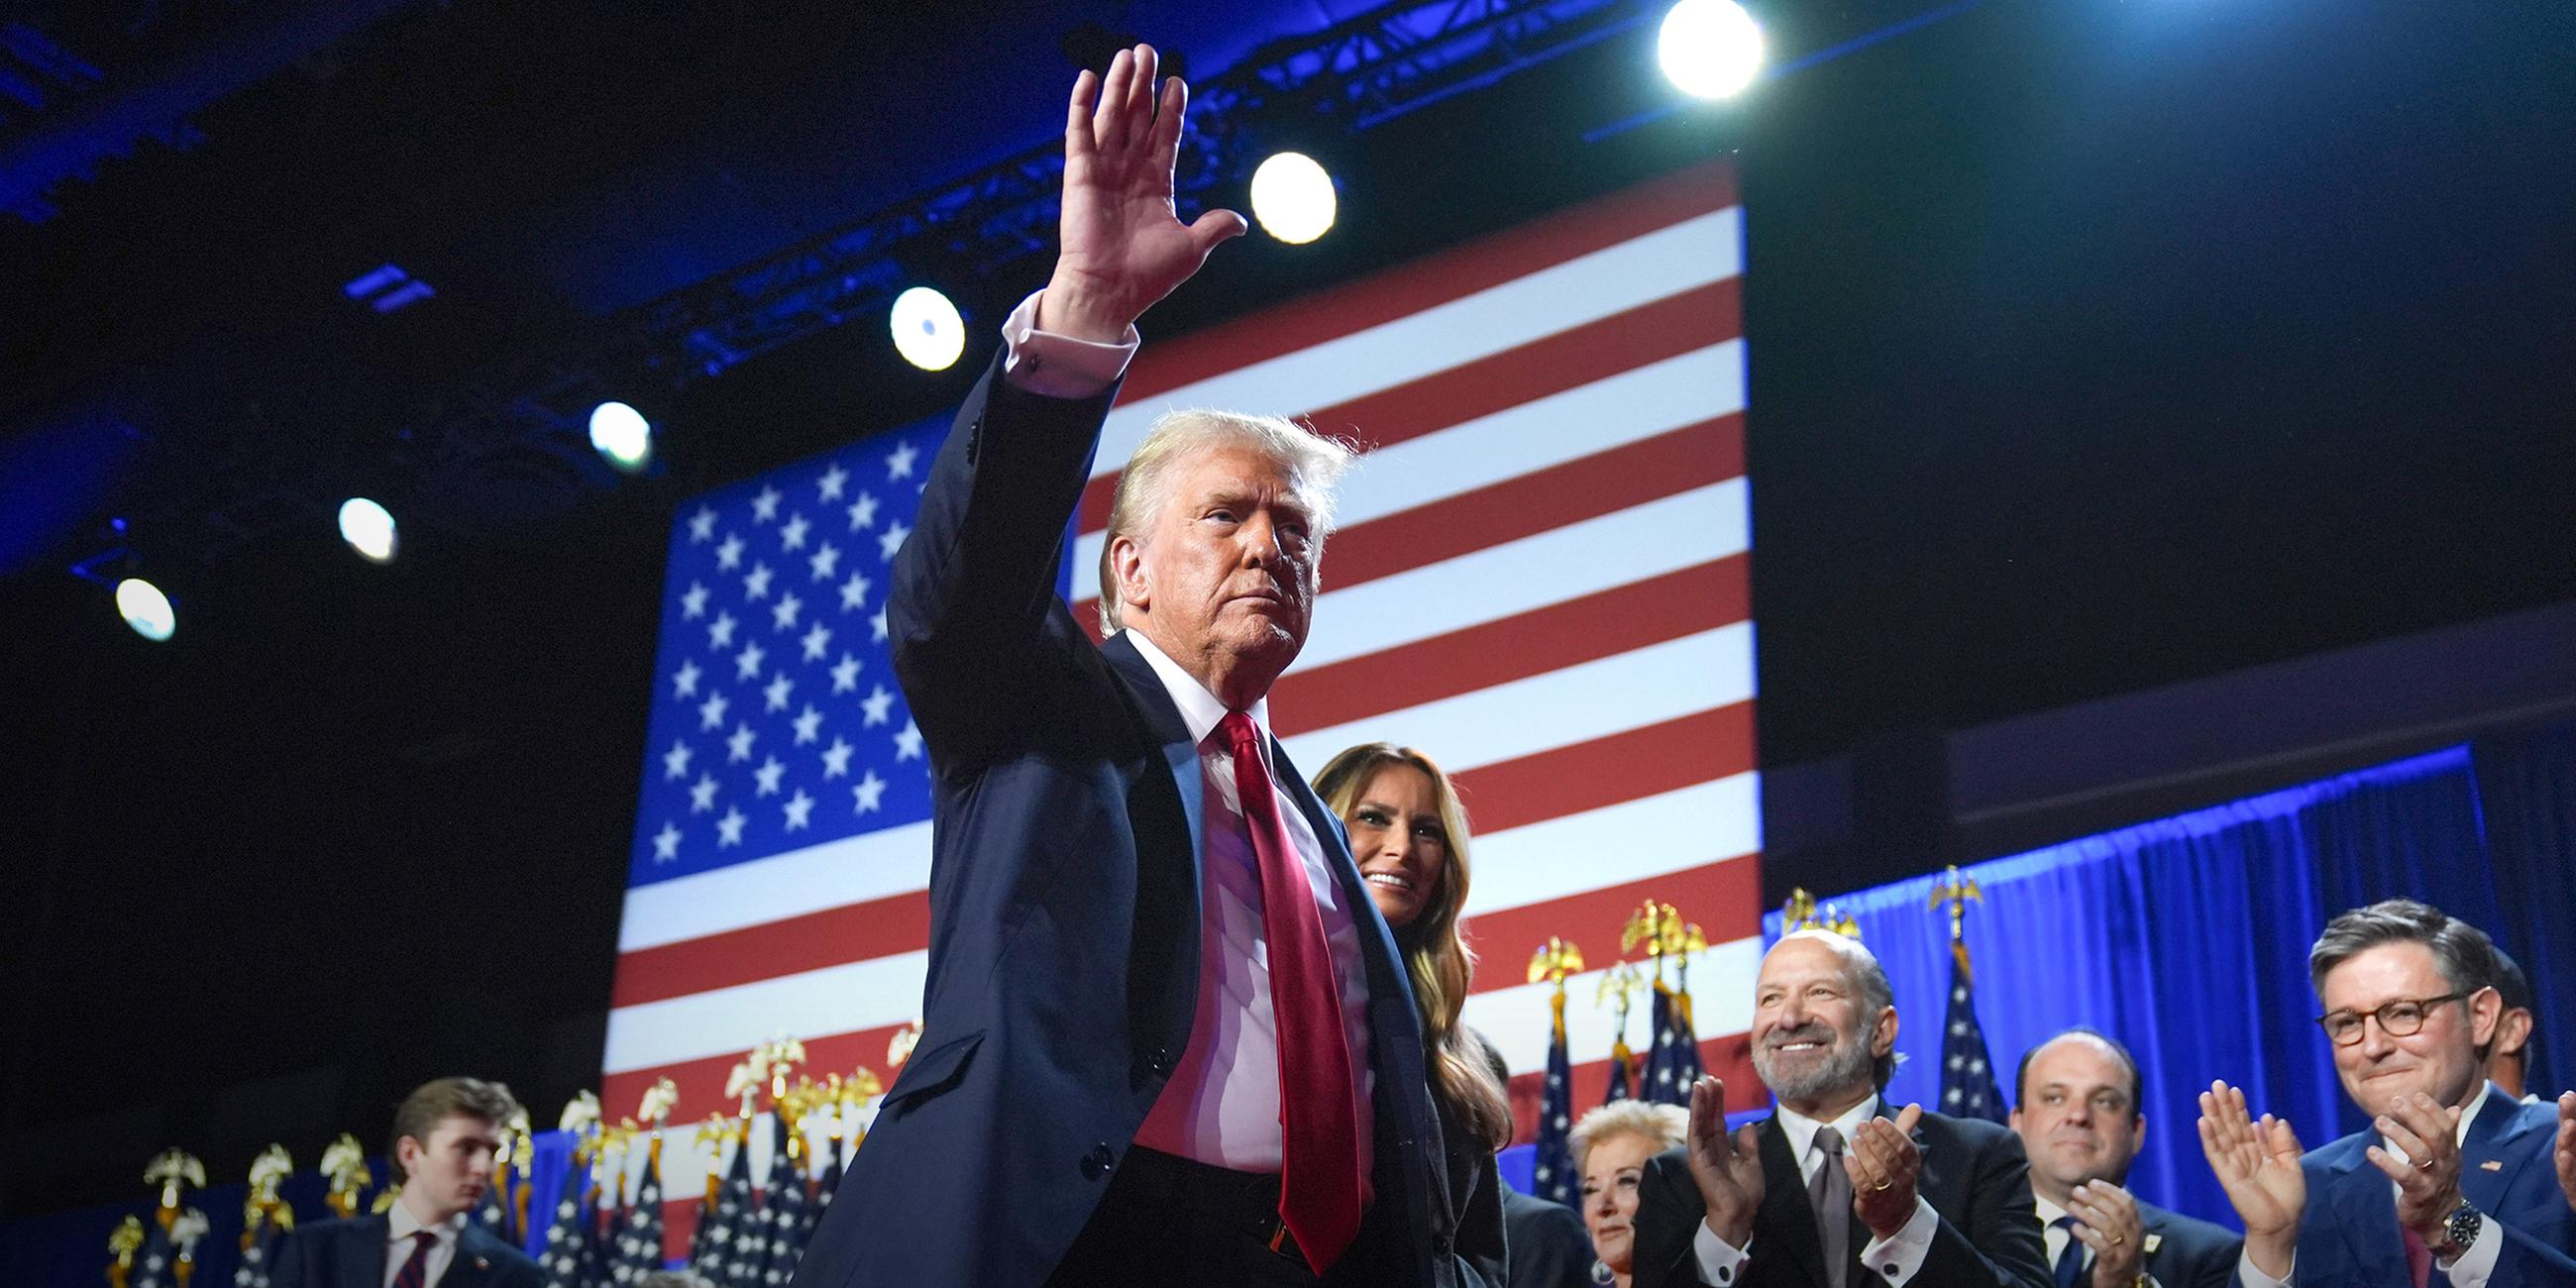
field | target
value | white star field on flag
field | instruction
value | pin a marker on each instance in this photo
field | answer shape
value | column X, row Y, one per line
column 777, row 722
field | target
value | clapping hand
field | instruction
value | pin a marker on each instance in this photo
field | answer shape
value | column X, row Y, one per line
column 1123, row 245
column 1728, row 1169
column 2428, row 1181
column 1885, row 1163
column 2258, row 1165
column 2106, row 1219
column 2566, row 1152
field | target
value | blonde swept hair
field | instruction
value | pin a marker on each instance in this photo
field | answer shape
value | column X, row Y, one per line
column 1435, row 953
column 1666, row 1125
column 1314, row 461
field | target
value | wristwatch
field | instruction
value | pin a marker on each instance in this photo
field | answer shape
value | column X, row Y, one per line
column 2459, row 1230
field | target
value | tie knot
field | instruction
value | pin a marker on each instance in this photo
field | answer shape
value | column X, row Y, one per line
column 2066, row 1222
column 424, row 1237
column 1237, row 732
column 1828, row 1141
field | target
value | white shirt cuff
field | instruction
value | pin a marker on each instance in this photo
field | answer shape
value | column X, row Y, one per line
column 1897, row 1257
column 1059, row 366
column 2249, row 1277
column 2478, row 1263
column 1720, row 1263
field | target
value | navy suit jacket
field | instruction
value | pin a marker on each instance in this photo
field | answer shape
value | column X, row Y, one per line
column 1974, row 1175
column 2187, row 1252
column 1549, row 1246
column 349, row 1252
column 1064, row 904
column 2348, row 1235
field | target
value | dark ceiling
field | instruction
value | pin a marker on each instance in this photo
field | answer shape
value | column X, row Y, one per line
column 2094, row 345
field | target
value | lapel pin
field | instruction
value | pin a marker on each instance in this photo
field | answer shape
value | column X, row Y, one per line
column 482, row 1263
column 2154, row 1241
column 2492, row 1165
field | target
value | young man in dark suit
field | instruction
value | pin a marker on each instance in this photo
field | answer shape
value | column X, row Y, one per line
column 1835, row 1190
column 2077, row 1108
column 1167, row 1037
column 2454, row 1181
column 445, row 1135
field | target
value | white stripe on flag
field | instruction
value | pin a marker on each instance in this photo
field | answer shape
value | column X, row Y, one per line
column 853, row 869
column 1668, row 832
column 1660, row 536
column 1545, row 432
column 876, row 993
column 1518, row 1020
column 1644, row 269
column 1558, row 708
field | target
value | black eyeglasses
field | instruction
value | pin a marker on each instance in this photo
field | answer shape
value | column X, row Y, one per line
column 2397, row 1019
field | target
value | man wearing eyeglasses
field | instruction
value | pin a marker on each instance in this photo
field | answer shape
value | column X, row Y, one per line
column 2454, row 1183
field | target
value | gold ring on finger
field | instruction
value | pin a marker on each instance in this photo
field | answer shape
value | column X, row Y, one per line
column 2118, row 1239
column 1882, row 1186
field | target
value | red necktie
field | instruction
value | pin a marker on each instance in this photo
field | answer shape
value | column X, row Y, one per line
column 1319, row 1168
column 2419, row 1257
column 415, row 1272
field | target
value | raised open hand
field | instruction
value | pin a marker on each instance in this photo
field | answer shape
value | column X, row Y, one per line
column 1727, row 1168
column 1123, row 246
column 2258, row 1165
column 2566, row 1151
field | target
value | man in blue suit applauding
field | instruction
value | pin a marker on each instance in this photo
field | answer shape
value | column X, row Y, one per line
column 445, row 1135
column 2454, row 1182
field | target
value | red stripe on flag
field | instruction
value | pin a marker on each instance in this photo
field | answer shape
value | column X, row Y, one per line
column 851, row 932
column 1434, row 279
column 1701, row 747
column 1649, row 469
column 701, row 1083
column 1552, row 364
column 1604, row 623
column 1728, row 1058
column 1726, row 895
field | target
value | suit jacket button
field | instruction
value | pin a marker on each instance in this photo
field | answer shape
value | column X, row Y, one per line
column 1097, row 1163
column 1162, row 1062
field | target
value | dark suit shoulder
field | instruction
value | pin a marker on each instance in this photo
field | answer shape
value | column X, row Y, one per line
column 2187, row 1251
column 503, row 1265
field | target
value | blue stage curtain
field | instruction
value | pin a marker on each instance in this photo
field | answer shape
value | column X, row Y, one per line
column 2527, row 792
column 2187, row 938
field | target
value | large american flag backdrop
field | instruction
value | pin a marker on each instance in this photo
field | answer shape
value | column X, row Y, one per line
column 1539, row 578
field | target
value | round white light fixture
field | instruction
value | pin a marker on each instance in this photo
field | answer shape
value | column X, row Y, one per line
column 1293, row 198
column 927, row 331
column 1709, row 48
column 622, row 435
column 368, row 528
column 146, row 609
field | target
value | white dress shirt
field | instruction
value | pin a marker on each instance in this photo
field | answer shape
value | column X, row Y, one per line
column 1221, row 1105
column 2475, row 1266
column 401, row 1225
column 1896, row 1258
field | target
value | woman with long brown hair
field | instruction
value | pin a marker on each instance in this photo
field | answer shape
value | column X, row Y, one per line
column 1408, row 834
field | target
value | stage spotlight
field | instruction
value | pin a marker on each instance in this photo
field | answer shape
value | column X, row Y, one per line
column 1293, row 198
column 622, row 435
column 368, row 528
column 146, row 609
column 1709, row 48
column 927, row 331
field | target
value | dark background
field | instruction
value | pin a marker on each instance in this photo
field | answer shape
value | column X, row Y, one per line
column 2094, row 346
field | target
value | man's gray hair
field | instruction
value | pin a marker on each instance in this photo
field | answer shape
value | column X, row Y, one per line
column 2464, row 953
column 1315, row 462
column 1666, row 1125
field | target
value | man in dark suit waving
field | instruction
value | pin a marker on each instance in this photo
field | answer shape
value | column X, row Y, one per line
column 1167, row 1038
column 2077, row 1109
column 445, row 1135
column 1834, row 1191
column 2453, row 1182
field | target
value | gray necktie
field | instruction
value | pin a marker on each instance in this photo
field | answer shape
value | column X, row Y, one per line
column 1829, row 1192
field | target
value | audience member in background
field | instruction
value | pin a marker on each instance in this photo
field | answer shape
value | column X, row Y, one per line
column 445, row 1135
column 1545, row 1244
column 1612, row 1145
column 1409, row 837
column 2454, row 1174
column 1837, row 1189
column 2077, row 1107
column 2509, row 1058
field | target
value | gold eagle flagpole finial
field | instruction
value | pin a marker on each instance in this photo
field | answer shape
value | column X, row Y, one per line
column 262, row 1207
column 171, row 1170
column 122, row 1243
column 1798, row 912
column 344, row 1166
column 1956, row 890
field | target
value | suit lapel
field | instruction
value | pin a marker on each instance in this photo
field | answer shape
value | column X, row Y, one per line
column 1785, row 1220
column 1168, row 892
column 2366, row 1218
column 2488, row 1164
column 472, row 1267
column 363, row 1245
